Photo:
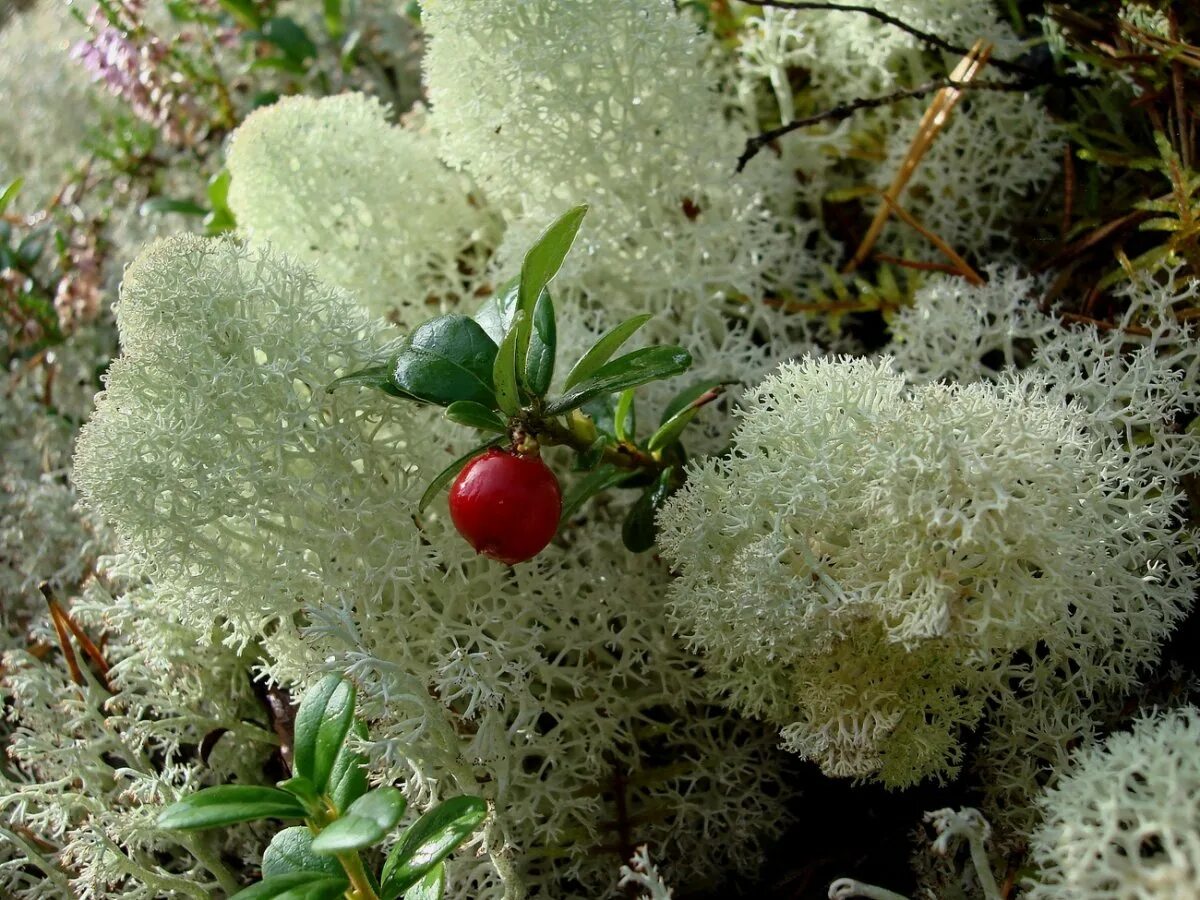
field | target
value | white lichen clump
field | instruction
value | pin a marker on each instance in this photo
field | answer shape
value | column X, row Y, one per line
column 286, row 514
column 613, row 124
column 870, row 556
column 962, row 333
column 1124, row 819
column 333, row 183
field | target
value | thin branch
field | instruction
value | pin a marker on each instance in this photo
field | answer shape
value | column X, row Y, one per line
column 925, row 37
column 846, row 110
column 932, row 122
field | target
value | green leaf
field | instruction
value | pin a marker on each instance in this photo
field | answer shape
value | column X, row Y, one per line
column 673, row 425
column 630, row 370
column 171, row 205
column 539, row 360
column 586, row 460
column 348, row 777
column 10, row 193
column 295, row 886
column 595, row 482
column 303, row 790
column 29, row 251
column 431, row 887
column 291, row 851
column 290, row 37
column 446, row 359
column 218, row 189
column 504, row 372
column 366, row 822
column 431, row 839
column 244, row 12
column 496, row 314
column 601, row 351
column 690, row 395
column 322, row 722
column 447, row 474
column 541, row 263
column 625, row 417
column 335, row 23
column 378, row 377
column 475, row 415
column 226, row 804
column 639, row 531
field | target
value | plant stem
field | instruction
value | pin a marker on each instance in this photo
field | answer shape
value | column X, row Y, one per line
column 360, row 885
column 622, row 454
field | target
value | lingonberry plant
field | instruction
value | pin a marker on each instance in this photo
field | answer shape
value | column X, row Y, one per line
column 321, row 859
column 493, row 372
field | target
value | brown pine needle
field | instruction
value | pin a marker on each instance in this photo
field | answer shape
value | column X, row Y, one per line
column 932, row 123
column 64, row 638
column 961, row 266
column 917, row 264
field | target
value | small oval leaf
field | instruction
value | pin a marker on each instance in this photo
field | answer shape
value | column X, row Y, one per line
column 541, row 263
column 639, row 530
column 348, row 777
column 226, row 804
column 543, row 342
column 505, row 376
column 475, row 415
column 446, row 359
column 295, row 886
column 625, row 416
column 366, row 822
column 322, row 722
column 601, row 351
column 431, row 839
column 431, row 887
column 630, row 370
column 291, row 851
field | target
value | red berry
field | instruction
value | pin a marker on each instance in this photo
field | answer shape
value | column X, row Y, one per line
column 506, row 505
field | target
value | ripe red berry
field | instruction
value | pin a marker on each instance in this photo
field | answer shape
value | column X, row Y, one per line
column 506, row 505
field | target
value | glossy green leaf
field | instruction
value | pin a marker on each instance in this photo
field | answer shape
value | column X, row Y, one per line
column 601, row 351
column 496, row 314
column 348, row 777
column 378, row 377
column 29, row 251
column 289, row 36
column 303, row 790
column 161, row 205
column 244, row 12
column 10, row 193
column 447, row 474
column 673, row 425
column 475, row 415
column 586, row 460
column 335, row 22
column 625, row 416
column 541, row 263
column 365, row 823
column 599, row 480
column 505, row 377
column 671, row 429
column 630, row 370
column 226, row 804
column 446, row 359
column 291, row 851
column 690, row 395
column 431, row 839
column 639, row 531
column 322, row 722
column 431, row 887
column 543, row 343
column 295, row 886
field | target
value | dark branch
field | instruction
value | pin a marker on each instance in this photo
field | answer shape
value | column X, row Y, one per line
column 924, row 36
column 846, row 110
